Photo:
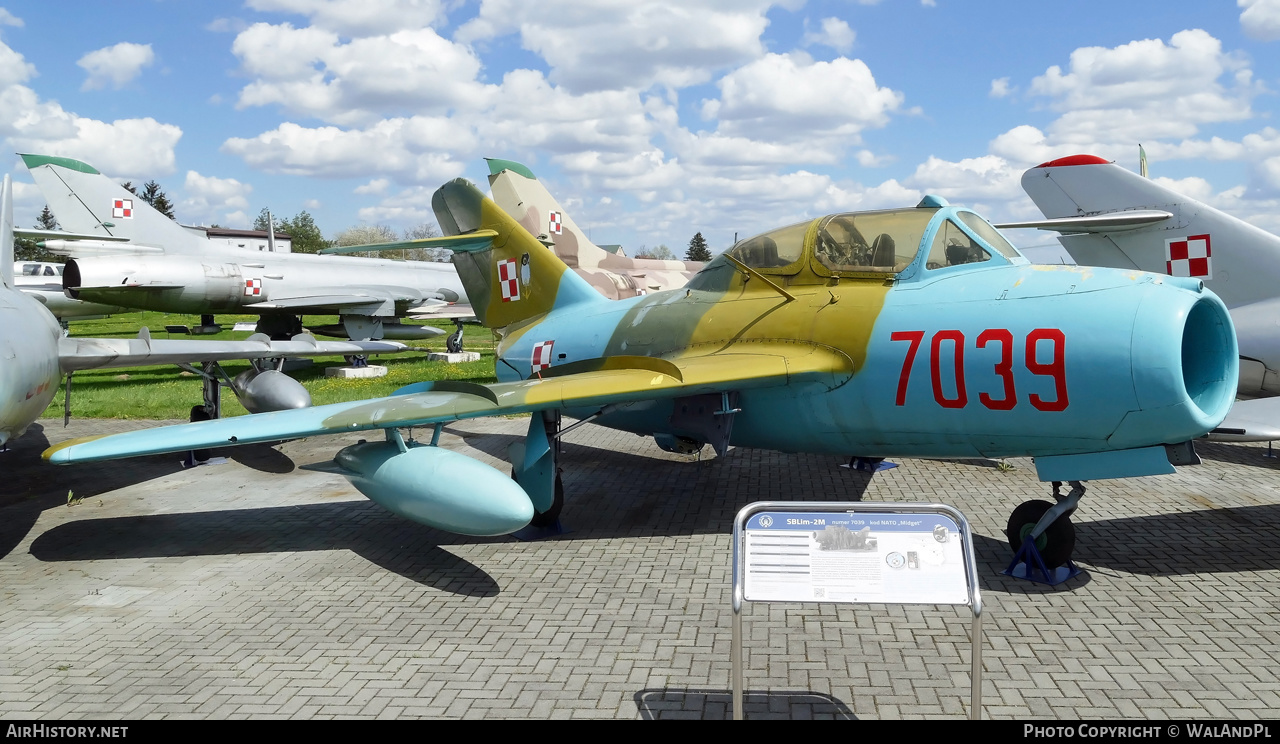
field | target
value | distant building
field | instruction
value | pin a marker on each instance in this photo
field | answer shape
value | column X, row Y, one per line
column 244, row 239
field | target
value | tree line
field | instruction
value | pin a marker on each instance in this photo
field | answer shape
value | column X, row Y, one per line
column 306, row 237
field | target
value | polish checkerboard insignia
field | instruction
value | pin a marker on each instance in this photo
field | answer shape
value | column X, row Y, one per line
column 541, row 356
column 555, row 223
column 1191, row 256
column 252, row 287
column 122, row 209
column 509, row 280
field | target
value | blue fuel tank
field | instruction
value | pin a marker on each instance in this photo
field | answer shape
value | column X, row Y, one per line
column 437, row 487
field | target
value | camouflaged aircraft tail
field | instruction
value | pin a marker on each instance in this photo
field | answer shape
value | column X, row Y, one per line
column 509, row 277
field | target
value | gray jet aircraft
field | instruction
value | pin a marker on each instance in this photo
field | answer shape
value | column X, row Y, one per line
column 1109, row 216
column 127, row 253
column 34, row 355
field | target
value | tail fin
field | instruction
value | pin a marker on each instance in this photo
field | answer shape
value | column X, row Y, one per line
column 6, row 232
column 1238, row 261
column 89, row 203
column 523, row 196
column 510, row 277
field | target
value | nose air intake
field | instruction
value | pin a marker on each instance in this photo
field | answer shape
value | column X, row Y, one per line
column 1185, row 366
column 1209, row 359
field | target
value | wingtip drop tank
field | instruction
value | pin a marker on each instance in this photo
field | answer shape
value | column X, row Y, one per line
column 437, row 487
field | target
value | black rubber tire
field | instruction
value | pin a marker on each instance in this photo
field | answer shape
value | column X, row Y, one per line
column 1057, row 542
column 549, row 517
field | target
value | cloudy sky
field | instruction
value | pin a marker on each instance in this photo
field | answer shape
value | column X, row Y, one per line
column 649, row 119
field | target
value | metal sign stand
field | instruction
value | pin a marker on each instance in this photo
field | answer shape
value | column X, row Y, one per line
column 836, row 538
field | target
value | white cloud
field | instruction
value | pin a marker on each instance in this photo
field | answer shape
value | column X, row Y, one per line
column 358, row 17
column 225, row 25
column 312, row 72
column 127, row 148
column 1000, row 88
column 115, row 65
column 604, row 44
column 414, row 149
column 1110, row 99
column 211, row 199
column 375, row 186
column 14, row 68
column 1260, row 19
column 9, row 19
column 835, row 33
column 1147, row 90
column 783, row 97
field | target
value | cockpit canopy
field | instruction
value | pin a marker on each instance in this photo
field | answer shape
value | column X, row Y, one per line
column 880, row 242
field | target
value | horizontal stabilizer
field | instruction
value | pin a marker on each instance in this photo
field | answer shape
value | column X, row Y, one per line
column 1109, row 222
column 472, row 241
column 1250, row 421
column 589, row 384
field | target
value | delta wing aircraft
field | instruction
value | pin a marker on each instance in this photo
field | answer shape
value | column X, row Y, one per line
column 126, row 253
column 909, row 332
column 34, row 355
column 1109, row 216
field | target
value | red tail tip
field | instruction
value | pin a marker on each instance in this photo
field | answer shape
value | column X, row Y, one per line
column 1075, row 160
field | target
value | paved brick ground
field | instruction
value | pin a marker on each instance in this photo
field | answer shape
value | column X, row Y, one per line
column 257, row 589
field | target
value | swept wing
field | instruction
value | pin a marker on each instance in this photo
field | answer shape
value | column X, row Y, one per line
column 585, row 385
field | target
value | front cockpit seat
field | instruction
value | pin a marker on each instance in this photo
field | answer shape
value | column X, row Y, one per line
column 883, row 252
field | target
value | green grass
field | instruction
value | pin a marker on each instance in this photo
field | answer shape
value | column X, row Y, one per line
column 166, row 392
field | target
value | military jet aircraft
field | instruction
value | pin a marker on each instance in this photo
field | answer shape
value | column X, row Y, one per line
column 34, row 355
column 908, row 332
column 1109, row 216
column 126, row 253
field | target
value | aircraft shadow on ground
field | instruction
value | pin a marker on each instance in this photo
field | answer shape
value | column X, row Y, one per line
column 1238, row 454
column 32, row 485
column 362, row 527
column 677, row 703
column 1226, row 540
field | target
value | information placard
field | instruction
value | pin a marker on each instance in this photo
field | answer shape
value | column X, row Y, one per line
column 873, row 557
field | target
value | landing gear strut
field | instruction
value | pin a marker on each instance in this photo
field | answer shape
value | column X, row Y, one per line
column 453, row 344
column 1047, row 525
column 535, row 465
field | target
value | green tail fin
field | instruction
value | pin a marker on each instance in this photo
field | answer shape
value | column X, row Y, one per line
column 512, row 277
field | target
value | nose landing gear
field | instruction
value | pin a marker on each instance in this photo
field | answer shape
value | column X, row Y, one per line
column 1042, row 536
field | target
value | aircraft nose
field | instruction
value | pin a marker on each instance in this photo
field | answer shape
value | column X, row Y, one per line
column 1185, row 363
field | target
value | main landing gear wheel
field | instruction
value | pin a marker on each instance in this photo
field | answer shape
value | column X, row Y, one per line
column 549, row 517
column 1055, row 544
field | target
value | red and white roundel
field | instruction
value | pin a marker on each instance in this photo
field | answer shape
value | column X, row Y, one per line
column 509, row 280
column 252, row 287
column 122, row 209
column 541, row 356
column 555, row 223
column 1191, row 256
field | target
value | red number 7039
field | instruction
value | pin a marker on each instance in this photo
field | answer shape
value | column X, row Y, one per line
column 1057, row 368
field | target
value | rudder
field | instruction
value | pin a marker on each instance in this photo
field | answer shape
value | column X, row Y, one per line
column 511, row 277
